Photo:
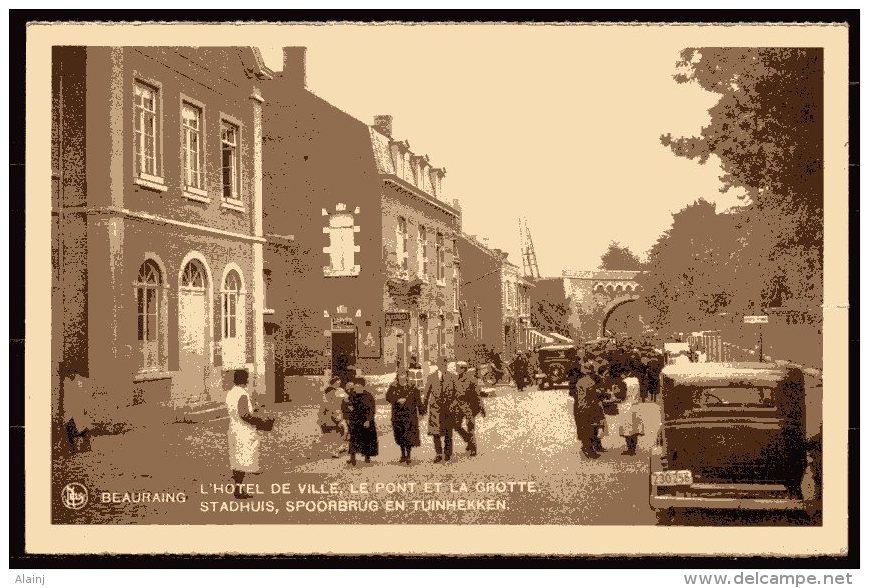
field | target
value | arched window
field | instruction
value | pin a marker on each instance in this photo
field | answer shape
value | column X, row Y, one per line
column 619, row 288
column 598, row 288
column 609, row 288
column 149, row 315
column 233, row 346
column 231, row 289
column 193, row 276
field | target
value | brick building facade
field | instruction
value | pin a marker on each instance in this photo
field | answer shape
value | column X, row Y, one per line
column 156, row 225
column 495, row 301
column 359, row 252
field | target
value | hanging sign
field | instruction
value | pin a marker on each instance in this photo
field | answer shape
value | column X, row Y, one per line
column 756, row 320
column 397, row 318
column 343, row 323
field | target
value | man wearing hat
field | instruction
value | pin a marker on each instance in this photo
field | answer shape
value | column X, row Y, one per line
column 470, row 404
column 587, row 411
column 441, row 392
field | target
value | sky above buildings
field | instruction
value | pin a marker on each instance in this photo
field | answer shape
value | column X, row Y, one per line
column 560, row 125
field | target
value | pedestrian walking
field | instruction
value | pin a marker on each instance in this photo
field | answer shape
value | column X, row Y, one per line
column 406, row 402
column 470, row 404
column 630, row 422
column 359, row 410
column 332, row 422
column 498, row 366
column 440, row 404
column 243, row 434
column 587, row 411
column 653, row 376
column 519, row 369
column 76, row 414
column 533, row 367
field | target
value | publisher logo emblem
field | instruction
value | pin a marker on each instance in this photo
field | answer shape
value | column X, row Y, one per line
column 74, row 496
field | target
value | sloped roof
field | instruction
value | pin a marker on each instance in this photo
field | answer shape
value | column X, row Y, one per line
column 380, row 146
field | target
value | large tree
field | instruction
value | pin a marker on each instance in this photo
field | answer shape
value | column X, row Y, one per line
column 766, row 130
column 688, row 273
column 619, row 257
column 551, row 317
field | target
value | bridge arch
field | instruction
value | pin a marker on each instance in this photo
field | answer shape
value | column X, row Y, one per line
column 609, row 308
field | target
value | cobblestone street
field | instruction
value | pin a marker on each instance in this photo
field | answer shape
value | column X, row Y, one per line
column 527, row 436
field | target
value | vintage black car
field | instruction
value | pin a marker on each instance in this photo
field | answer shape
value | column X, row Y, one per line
column 733, row 437
column 554, row 361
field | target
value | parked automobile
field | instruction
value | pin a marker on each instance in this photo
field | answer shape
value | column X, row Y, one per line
column 733, row 437
column 553, row 362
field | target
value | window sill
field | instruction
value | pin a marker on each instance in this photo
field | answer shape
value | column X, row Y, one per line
column 157, row 184
column 150, row 376
column 197, row 195
column 232, row 205
column 442, row 283
column 229, row 366
column 268, row 311
column 328, row 272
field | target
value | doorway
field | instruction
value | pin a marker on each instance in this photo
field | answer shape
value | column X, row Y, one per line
column 192, row 328
column 343, row 354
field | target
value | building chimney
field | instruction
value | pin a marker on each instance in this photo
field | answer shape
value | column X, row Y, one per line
column 383, row 123
column 294, row 66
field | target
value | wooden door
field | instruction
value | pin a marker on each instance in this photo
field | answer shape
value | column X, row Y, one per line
column 192, row 336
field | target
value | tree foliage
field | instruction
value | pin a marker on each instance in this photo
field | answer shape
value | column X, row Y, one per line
column 686, row 276
column 551, row 317
column 766, row 130
column 619, row 257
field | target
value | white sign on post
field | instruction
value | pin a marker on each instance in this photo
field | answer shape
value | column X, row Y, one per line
column 756, row 320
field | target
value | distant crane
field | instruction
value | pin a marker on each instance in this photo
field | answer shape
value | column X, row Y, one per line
column 529, row 258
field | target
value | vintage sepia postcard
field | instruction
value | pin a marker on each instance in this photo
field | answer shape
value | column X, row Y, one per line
column 437, row 288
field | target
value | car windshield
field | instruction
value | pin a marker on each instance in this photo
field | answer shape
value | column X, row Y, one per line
column 735, row 396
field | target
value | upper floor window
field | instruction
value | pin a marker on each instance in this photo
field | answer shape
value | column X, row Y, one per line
column 146, row 131
column 440, row 256
column 191, row 140
column 401, row 242
column 229, row 165
column 456, row 290
column 422, row 251
column 342, row 247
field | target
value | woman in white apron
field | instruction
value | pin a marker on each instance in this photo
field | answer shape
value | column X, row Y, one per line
column 243, row 436
column 630, row 423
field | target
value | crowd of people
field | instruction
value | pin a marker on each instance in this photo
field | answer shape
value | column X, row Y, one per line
column 610, row 373
column 451, row 403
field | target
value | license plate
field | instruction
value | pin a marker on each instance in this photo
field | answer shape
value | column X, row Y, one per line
column 672, row 478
